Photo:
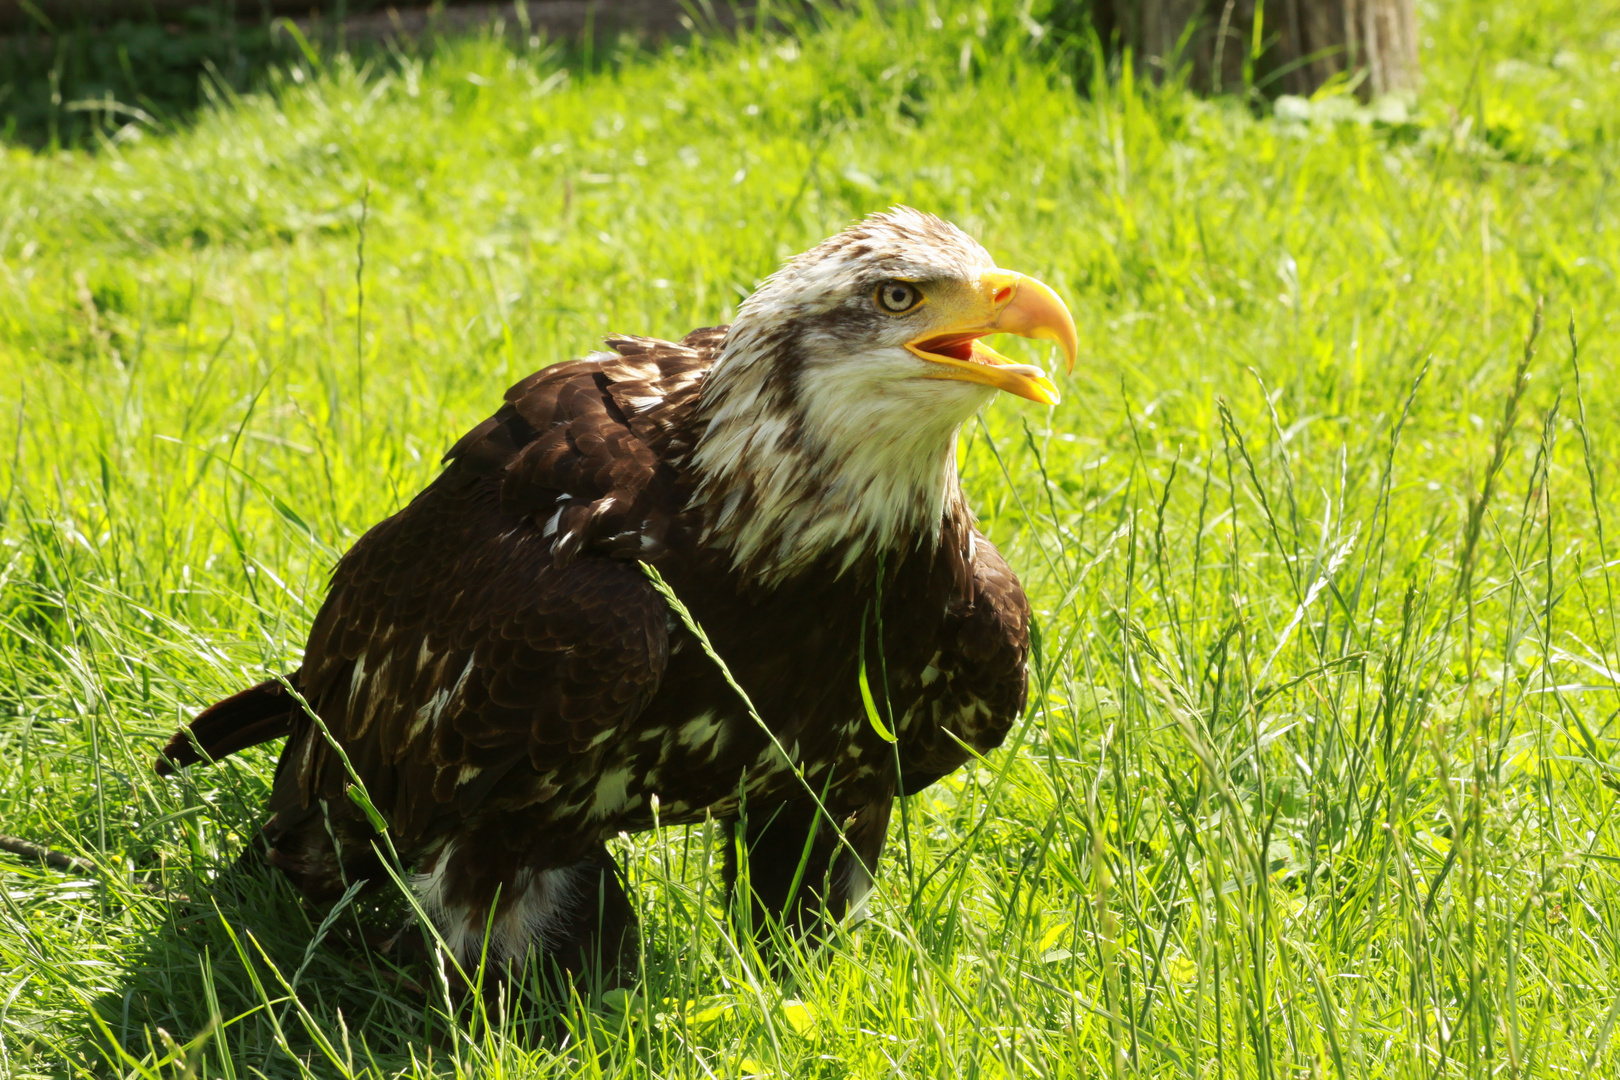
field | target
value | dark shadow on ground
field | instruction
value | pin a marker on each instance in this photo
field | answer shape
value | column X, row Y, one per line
column 72, row 84
column 241, row 937
column 77, row 85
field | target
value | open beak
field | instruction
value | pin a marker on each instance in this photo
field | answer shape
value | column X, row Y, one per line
column 1001, row 302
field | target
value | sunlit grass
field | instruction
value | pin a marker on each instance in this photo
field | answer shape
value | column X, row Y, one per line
column 1316, row 780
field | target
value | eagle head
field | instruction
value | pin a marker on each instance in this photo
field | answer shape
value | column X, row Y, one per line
column 829, row 419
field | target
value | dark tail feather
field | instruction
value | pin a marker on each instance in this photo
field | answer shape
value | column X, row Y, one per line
column 256, row 715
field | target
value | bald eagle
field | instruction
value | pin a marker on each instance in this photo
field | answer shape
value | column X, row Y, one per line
column 512, row 689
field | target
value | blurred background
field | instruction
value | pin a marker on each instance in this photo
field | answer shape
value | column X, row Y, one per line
column 71, row 69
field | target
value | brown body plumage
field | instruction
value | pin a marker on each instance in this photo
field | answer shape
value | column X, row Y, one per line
column 513, row 691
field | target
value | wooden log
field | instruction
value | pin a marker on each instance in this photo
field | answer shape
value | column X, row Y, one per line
column 1302, row 43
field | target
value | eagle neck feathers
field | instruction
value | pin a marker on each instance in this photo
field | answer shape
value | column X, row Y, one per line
column 784, row 486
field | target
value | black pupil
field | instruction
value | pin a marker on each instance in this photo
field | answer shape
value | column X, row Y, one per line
column 899, row 297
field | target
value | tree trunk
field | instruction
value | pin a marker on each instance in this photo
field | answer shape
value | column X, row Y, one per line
column 1302, row 43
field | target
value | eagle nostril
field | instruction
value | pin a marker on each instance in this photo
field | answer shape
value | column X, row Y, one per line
column 1004, row 294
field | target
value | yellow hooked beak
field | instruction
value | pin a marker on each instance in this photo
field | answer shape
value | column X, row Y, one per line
column 1000, row 302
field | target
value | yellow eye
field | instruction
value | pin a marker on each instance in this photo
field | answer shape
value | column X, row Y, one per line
column 896, row 297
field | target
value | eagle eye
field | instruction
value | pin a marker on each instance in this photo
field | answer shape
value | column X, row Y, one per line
column 897, row 297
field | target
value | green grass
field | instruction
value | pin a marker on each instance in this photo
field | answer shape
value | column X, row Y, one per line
column 1317, row 779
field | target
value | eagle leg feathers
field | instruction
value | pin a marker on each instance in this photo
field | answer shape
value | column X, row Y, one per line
column 799, row 874
column 570, row 924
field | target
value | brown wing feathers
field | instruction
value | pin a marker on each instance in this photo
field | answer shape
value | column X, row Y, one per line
column 463, row 635
column 980, row 686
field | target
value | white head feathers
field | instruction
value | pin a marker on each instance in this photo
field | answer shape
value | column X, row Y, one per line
column 818, row 433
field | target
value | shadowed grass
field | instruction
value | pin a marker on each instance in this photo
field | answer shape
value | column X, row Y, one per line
column 1317, row 775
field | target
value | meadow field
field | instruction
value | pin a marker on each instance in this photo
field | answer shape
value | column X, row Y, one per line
column 1319, row 770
